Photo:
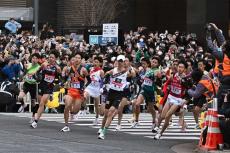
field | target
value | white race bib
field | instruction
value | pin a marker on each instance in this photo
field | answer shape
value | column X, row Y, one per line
column 29, row 77
column 176, row 90
column 148, row 82
column 75, row 85
column 49, row 78
column 95, row 84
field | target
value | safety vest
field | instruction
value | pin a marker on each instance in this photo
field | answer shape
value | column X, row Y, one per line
column 208, row 85
column 226, row 66
column 216, row 68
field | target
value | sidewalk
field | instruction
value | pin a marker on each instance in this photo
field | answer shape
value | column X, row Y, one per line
column 185, row 148
column 193, row 148
column 216, row 151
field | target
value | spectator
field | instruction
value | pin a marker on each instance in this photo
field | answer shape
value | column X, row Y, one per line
column 12, row 69
column 8, row 91
column 222, row 55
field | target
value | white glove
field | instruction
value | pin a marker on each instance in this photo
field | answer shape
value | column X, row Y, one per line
column 101, row 90
column 185, row 107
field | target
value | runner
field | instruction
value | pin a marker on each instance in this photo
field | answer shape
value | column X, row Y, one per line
column 75, row 75
column 140, row 73
column 147, row 93
column 94, row 85
column 118, row 81
column 174, row 100
column 49, row 72
column 126, row 100
column 30, row 84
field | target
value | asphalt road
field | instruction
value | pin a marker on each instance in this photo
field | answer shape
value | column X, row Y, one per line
column 17, row 137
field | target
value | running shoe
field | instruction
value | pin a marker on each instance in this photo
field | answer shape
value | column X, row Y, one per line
column 197, row 126
column 22, row 108
column 131, row 120
column 157, row 136
column 65, row 129
column 101, row 136
column 99, row 131
column 118, row 128
column 134, row 125
column 96, row 122
column 156, row 130
column 34, row 124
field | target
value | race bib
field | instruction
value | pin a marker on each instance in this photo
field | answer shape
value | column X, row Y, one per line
column 95, row 83
column 75, row 85
column 176, row 90
column 49, row 78
column 148, row 82
column 29, row 77
column 117, row 84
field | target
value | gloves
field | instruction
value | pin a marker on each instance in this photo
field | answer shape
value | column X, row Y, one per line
column 185, row 107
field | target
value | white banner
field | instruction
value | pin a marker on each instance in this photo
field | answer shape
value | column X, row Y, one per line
column 110, row 30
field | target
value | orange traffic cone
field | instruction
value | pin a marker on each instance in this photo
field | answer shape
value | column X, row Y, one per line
column 204, row 126
column 214, row 136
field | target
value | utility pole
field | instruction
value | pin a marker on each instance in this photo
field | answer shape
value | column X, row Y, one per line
column 36, row 8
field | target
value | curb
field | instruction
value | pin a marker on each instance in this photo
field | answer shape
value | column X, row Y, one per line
column 202, row 150
column 185, row 148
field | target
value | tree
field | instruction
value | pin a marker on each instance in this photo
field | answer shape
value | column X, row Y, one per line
column 97, row 12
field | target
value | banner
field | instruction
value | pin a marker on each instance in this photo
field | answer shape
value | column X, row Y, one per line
column 103, row 41
column 110, row 30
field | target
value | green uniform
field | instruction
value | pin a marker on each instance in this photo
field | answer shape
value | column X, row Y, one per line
column 148, row 86
column 31, row 70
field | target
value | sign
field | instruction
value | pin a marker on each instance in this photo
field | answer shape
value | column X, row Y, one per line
column 93, row 39
column 77, row 37
column 103, row 41
column 110, row 30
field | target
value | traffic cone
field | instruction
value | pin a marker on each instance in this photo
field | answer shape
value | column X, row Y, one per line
column 214, row 136
column 204, row 125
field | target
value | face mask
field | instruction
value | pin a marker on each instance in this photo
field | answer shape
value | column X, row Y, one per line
column 219, row 49
column 141, row 40
column 166, row 58
column 21, row 48
column 193, row 42
column 159, row 53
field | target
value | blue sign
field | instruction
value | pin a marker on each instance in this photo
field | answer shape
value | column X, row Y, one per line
column 93, row 39
column 99, row 40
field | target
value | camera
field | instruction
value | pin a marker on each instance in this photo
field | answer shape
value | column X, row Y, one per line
column 208, row 27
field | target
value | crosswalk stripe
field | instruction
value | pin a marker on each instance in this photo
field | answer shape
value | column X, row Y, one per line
column 173, row 132
column 166, row 133
column 147, row 130
column 175, row 138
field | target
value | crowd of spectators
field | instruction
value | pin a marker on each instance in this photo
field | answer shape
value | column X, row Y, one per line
column 17, row 48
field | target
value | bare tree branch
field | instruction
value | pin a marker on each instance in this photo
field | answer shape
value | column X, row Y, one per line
column 97, row 12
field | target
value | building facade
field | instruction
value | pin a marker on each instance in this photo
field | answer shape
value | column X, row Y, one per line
column 183, row 15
